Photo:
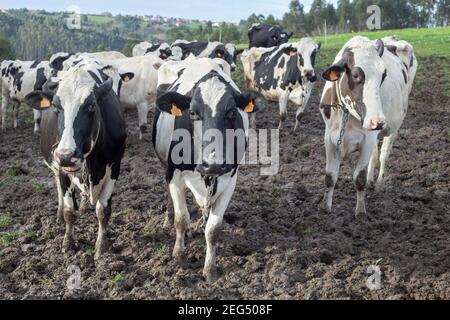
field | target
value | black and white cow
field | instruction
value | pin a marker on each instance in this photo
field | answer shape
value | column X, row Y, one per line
column 373, row 84
column 266, row 36
column 181, row 49
column 63, row 60
column 283, row 73
column 198, row 98
column 19, row 78
column 161, row 50
column 83, row 142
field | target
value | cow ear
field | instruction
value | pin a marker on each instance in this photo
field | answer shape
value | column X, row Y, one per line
column 319, row 45
column 379, row 45
column 127, row 76
column 39, row 100
column 239, row 51
column 250, row 102
column 173, row 103
column 334, row 72
column 104, row 88
column 290, row 35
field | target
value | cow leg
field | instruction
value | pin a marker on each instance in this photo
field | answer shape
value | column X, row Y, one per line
column 332, row 171
column 386, row 150
column 213, row 228
column 103, row 212
column 299, row 115
column 142, row 109
column 283, row 108
column 372, row 165
column 16, row 106
column 60, row 212
column 360, row 176
column 37, row 120
column 5, row 101
column 178, row 194
column 169, row 219
column 68, row 189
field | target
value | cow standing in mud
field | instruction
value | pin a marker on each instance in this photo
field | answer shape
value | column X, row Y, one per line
column 199, row 100
column 365, row 100
column 83, row 142
column 284, row 73
column 19, row 78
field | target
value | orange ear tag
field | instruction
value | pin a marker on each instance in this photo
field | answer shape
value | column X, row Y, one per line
column 45, row 103
column 333, row 75
column 175, row 111
column 249, row 108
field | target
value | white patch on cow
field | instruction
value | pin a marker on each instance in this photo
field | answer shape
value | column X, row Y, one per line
column 212, row 91
column 73, row 90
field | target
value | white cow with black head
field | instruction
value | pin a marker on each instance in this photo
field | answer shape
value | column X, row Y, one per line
column 198, row 99
column 283, row 73
column 19, row 78
column 365, row 100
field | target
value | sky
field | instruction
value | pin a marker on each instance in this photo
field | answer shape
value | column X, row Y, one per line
column 214, row 10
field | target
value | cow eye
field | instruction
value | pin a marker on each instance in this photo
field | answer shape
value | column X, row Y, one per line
column 356, row 77
column 194, row 116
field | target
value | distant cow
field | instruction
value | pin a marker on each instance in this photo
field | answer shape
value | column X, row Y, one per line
column 199, row 92
column 266, row 36
column 82, row 141
column 181, row 49
column 63, row 60
column 19, row 78
column 364, row 100
column 161, row 50
column 282, row 73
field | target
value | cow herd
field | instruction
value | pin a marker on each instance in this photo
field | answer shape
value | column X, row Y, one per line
column 77, row 101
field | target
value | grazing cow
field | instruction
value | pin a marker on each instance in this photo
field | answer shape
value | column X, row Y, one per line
column 266, row 36
column 181, row 49
column 365, row 100
column 282, row 73
column 161, row 50
column 19, row 78
column 83, row 142
column 197, row 95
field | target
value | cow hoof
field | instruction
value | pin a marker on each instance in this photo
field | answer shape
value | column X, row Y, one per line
column 101, row 247
column 360, row 213
column 181, row 260
column 323, row 206
column 210, row 275
column 68, row 245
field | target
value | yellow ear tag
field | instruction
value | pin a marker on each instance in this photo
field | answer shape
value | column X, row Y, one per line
column 175, row 111
column 334, row 75
column 45, row 103
column 292, row 53
column 249, row 108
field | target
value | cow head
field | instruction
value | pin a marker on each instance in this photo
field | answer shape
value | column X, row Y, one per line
column 284, row 37
column 359, row 75
column 57, row 60
column 76, row 101
column 233, row 52
column 216, row 108
column 307, row 50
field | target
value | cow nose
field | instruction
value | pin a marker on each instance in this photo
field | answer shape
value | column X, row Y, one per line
column 376, row 123
column 206, row 169
column 64, row 157
column 309, row 74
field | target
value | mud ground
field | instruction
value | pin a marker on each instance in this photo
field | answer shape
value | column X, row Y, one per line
column 275, row 243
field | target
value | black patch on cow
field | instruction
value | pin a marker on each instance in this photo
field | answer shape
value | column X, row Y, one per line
column 392, row 49
column 180, row 73
column 34, row 64
column 17, row 83
column 383, row 77
column 281, row 64
column 40, row 79
column 95, row 77
column 153, row 48
column 405, row 77
column 411, row 61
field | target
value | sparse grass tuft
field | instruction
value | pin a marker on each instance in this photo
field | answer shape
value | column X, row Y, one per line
column 9, row 238
column 115, row 279
column 162, row 250
column 5, row 220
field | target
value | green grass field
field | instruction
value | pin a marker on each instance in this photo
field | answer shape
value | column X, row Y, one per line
column 426, row 42
column 101, row 19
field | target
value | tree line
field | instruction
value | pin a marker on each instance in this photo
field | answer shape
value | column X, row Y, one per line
column 36, row 34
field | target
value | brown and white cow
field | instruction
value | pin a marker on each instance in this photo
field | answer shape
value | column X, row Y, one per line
column 373, row 85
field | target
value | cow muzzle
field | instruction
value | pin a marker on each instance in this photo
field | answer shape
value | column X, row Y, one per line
column 67, row 161
column 309, row 74
column 206, row 169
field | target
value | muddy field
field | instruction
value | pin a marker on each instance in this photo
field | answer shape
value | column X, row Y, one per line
column 275, row 242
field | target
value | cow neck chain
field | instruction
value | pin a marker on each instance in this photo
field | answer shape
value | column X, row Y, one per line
column 207, row 208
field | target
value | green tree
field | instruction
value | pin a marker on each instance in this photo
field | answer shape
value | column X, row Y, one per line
column 133, row 39
column 6, row 51
column 443, row 13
